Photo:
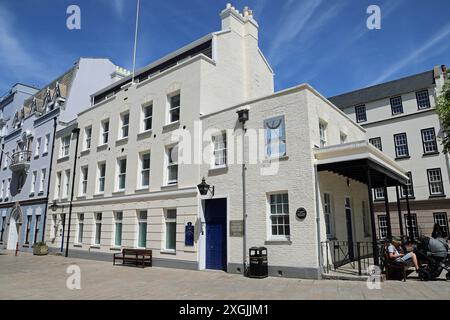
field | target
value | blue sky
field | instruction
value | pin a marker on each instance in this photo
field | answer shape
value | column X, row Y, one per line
column 322, row 42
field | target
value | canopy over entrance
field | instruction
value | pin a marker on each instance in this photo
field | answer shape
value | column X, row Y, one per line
column 361, row 161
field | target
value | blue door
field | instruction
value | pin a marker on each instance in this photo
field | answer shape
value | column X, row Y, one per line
column 216, row 234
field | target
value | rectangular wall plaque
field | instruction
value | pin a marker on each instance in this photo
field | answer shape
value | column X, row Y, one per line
column 236, row 228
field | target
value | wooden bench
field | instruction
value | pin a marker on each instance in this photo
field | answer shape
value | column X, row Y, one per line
column 395, row 267
column 137, row 257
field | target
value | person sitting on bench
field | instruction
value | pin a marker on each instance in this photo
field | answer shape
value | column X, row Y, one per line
column 395, row 255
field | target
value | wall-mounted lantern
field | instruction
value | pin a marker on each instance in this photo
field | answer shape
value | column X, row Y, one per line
column 203, row 188
column 243, row 115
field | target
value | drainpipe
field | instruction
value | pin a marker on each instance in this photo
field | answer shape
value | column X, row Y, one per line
column 319, row 245
column 77, row 132
column 49, row 177
column 244, row 201
column 243, row 116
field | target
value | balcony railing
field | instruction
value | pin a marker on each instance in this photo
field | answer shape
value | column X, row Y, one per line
column 20, row 161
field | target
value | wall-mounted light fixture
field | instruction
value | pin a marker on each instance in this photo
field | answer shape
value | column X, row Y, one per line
column 203, row 188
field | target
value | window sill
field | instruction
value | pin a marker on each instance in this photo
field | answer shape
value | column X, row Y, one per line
column 218, row 170
column 144, row 134
column 431, row 154
column 85, row 152
column 274, row 159
column 141, row 190
column 36, row 156
column 78, row 245
column 95, row 246
column 121, row 141
column 31, row 194
column 40, row 193
column 82, row 197
column 63, row 199
column 45, row 154
column 99, row 195
column 403, row 158
column 118, row 192
column 434, row 196
column 62, row 159
column 102, row 147
column 166, row 251
column 115, row 248
column 409, row 198
column 25, row 245
column 171, row 126
column 278, row 242
column 169, row 186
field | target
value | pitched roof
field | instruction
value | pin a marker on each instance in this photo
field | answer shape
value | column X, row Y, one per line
column 385, row 90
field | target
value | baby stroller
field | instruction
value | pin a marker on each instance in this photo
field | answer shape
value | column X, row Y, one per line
column 433, row 257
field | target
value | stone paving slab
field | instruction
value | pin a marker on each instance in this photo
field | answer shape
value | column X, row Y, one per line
column 31, row 277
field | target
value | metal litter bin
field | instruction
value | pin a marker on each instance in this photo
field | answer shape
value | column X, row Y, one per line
column 258, row 263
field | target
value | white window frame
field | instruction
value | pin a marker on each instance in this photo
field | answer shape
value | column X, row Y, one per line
column 361, row 113
column 396, row 105
column 37, row 149
column 87, row 138
column 121, row 175
column 146, row 118
column 414, row 225
column 401, row 144
column 378, row 193
column 377, row 143
column 328, row 209
column 170, row 165
column 118, row 220
column 66, row 187
column 172, row 109
column 282, row 214
column 323, row 133
column 219, row 149
column 58, row 187
column 441, row 219
column 42, row 180
column 80, row 228
column 65, row 146
column 142, row 217
column 421, row 97
column 168, row 220
column 433, row 183
column 124, row 125
column 33, row 182
column 84, row 180
column 46, row 143
column 429, row 141
column 98, row 217
column 382, row 226
column 101, row 179
column 104, row 136
column 143, row 171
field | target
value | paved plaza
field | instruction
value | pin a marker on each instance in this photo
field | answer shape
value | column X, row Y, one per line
column 32, row 277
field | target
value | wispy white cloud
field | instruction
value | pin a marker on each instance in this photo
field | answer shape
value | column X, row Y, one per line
column 118, row 7
column 426, row 50
column 297, row 15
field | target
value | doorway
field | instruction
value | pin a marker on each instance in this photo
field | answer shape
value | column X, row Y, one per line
column 216, row 234
column 348, row 217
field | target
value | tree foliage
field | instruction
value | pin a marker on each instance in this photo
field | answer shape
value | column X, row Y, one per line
column 443, row 109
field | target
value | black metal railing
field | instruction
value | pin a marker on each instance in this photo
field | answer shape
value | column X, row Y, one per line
column 20, row 157
column 356, row 255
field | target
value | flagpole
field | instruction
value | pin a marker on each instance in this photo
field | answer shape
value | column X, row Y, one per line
column 135, row 40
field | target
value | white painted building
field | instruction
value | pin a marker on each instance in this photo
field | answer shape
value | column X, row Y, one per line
column 145, row 145
column 401, row 120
